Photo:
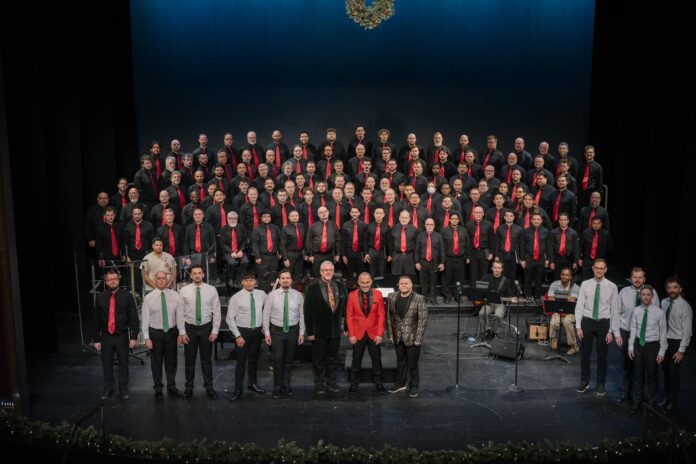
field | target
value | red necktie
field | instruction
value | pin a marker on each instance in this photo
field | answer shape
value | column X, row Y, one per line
column 391, row 216
column 198, row 238
column 562, row 248
column 455, row 238
column 138, row 241
column 536, row 244
column 154, row 184
column 558, row 170
column 360, row 167
column 114, row 242
column 235, row 245
column 220, row 185
column 285, row 214
column 557, row 205
column 366, row 220
column 488, row 157
column 299, row 237
column 277, row 158
column 355, row 237
column 172, row 242
column 509, row 174
column 377, row 237
column 428, row 249
column 223, row 216
column 391, row 180
column 311, row 182
column 298, row 167
column 477, row 236
column 473, row 207
column 595, row 241
column 496, row 223
column 123, row 200
column 328, row 168
column 592, row 215
column 311, row 215
column 586, row 177
column 364, row 303
column 269, row 239
column 445, row 223
column 304, row 153
column 534, row 179
column 507, row 239
column 112, row 314
column 250, row 172
column 182, row 201
column 256, row 217
column 403, row 239
column 256, row 157
column 413, row 182
column 415, row 218
column 202, row 193
column 437, row 155
column 227, row 172
column 338, row 215
column 526, row 220
column 429, row 204
column 323, row 239
column 538, row 196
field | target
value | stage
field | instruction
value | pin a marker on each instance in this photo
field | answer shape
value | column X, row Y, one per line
column 65, row 384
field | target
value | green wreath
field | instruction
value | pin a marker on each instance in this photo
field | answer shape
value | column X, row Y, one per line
column 371, row 16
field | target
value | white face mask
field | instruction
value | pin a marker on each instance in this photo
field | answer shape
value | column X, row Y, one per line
column 431, row 190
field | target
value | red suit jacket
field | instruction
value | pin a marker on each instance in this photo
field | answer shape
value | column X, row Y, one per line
column 356, row 320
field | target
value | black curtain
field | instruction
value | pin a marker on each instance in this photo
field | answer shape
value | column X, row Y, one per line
column 69, row 97
column 642, row 124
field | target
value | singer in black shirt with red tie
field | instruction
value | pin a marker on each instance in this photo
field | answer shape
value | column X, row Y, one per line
column 139, row 236
column 352, row 236
column 595, row 243
column 292, row 239
column 323, row 241
column 234, row 245
column 481, row 239
column 172, row 236
column 146, row 182
column 110, row 238
column 590, row 176
column 563, row 247
column 117, row 328
column 429, row 255
column 535, row 259
column 265, row 244
column 509, row 245
column 456, row 248
column 563, row 201
column 200, row 238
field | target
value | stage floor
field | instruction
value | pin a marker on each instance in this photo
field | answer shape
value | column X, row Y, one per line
column 64, row 385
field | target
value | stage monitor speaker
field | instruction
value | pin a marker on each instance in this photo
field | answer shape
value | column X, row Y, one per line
column 537, row 330
column 506, row 348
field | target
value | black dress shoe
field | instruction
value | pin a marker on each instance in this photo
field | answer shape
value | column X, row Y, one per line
column 670, row 407
column 211, row 393
column 381, row 389
column 256, row 389
column 159, row 395
column 333, row 387
column 236, row 395
column 107, row 394
column 276, row 393
column 175, row 392
column 288, row 391
column 319, row 389
column 353, row 388
column 125, row 395
column 188, row 394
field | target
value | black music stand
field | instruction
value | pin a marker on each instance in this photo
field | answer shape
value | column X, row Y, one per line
column 487, row 296
column 456, row 388
column 563, row 306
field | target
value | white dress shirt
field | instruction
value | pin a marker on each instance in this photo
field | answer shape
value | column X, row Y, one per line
column 274, row 306
column 656, row 327
column 239, row 310
column 210, row 306
column 152, row 311
column 627, row 297
column 680, row 320
column 608, row 303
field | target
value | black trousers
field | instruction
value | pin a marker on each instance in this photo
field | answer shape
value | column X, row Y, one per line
column 164, row 348
column 354, row 266
column 478, row 265
column 559, row 263
column 403, row 264
column 428, row 278
column 509, row 267
column 296, row 265
column 324, row 356
column 407, row 363
column 645, row 361
column 454, row 272
column 247, row 356
column 198, row 340
column 269, row 264
column 236, row 266
column 594, row 332
column 671, row 371
column 283, row 347
column 627, row 365
column 533, row 278
column 318, row 259
column 375, row 355
column 378, row 262
column 115, row 345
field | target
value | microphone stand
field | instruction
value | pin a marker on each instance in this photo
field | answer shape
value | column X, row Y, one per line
column 456, row 388
column 515, row 388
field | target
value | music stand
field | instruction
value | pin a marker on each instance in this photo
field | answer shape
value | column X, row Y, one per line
column 487, row 296
column 563, row 306
column 456, row 388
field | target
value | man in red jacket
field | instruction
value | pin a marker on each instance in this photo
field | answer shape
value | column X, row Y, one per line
column 365, row 319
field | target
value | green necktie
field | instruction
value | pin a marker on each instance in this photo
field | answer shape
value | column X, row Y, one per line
column 286, row 314
column 643, row 327
column 165, row 315
column 637, row 297
column 199, row 316
column 595, row 307
column 669, row 310
column 252, row 304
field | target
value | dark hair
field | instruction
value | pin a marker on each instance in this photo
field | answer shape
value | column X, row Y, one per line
column 672, row 280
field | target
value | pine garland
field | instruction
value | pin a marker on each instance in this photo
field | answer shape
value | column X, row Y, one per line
column 35, row 436
column 371, row 16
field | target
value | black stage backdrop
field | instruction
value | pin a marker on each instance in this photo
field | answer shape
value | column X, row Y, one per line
column 68, row 83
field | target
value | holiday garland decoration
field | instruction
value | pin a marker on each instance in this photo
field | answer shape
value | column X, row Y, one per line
column 371, row 16
column 34, row 438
